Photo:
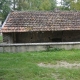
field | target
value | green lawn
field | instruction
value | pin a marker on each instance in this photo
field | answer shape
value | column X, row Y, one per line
column 24, row 66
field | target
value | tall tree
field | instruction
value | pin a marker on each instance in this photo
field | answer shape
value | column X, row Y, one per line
column 45, row 5
column 66, row 4
column 71, row 4
column 53, row 4
column 7, row 5
column 75, row 5
column 4, row 8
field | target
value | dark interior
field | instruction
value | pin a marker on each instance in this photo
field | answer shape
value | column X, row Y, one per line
column 39, row 37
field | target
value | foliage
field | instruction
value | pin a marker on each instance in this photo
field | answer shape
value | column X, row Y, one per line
column 7, row 5
column 75, row 5
column 22, row 5
column 46, row 5
column 4, row 8
column 71, row 4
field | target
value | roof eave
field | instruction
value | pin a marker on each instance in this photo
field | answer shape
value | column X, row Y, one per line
column 5, row 20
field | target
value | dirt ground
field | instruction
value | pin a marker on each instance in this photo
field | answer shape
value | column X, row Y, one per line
column 59, row 64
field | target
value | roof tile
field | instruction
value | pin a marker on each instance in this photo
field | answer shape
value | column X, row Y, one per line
column 42, row 21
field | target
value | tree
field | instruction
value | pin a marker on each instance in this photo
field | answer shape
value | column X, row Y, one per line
column 7, row 5
column 71, row 4
column 75, row 5
column 66, row 4
column 45, row 5
column 53, row 4
column 4, row 8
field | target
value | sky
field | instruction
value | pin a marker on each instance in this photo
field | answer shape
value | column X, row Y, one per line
column 58, row 2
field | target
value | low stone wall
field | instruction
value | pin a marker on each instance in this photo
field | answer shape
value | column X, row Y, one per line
column 15, row 48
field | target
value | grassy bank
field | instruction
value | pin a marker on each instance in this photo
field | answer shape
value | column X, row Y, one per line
column 24, row 66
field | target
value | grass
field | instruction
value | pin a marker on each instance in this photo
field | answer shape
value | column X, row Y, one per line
column 1, row 38
column 23, row 66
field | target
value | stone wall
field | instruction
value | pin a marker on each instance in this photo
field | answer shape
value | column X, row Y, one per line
column 7, row 37
column 18, row 48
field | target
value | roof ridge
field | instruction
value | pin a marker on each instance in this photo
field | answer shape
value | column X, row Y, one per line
column 45, row 11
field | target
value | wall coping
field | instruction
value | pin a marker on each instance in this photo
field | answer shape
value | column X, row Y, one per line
column 35, row 44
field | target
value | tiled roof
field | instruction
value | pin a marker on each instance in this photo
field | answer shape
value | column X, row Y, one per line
column 18, row 21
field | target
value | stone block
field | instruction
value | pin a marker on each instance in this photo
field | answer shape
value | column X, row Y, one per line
column 1, row 49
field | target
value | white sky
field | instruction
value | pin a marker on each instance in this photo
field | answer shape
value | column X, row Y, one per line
column 58, row 2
